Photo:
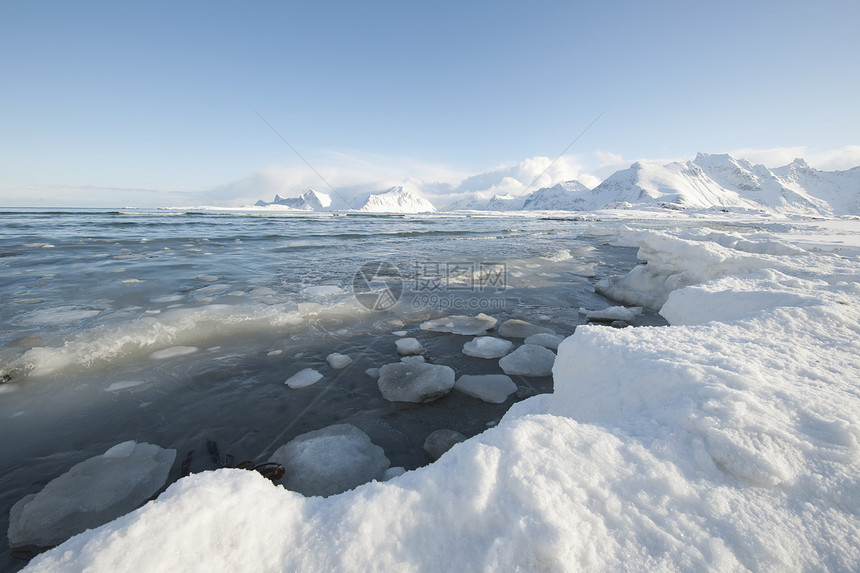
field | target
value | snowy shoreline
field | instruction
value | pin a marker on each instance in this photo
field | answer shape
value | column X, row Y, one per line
column 728, row 440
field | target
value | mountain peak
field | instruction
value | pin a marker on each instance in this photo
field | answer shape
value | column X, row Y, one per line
column 397, row 199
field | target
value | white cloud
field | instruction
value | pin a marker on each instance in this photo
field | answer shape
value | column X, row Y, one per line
column 835, row 159
column 519, row 179
column 824, row 159
column 608, row 157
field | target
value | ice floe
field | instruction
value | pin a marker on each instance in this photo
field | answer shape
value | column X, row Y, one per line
column 414, row 381
column 338, row 361
column 493, row 388
column 91, row 493
column 303, row 378
column 516, row 328
column 529, row 360
column 409, row 346
column 487, row 347
column 550, row 341
column 459, row 324
column 331, row 460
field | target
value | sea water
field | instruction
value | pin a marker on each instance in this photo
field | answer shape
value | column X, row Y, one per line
column 179, row 328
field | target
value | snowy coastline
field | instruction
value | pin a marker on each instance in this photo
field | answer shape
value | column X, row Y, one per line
column 728, row 440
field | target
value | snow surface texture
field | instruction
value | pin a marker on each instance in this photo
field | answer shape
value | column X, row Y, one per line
column 329, row 461
column 727, row 441
column 91, row 493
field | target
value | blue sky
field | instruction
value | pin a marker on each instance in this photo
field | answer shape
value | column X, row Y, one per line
column 156, row 103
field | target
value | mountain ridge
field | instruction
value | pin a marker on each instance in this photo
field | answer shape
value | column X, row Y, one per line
column 709, row 181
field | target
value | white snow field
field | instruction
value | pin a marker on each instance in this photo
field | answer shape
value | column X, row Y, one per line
column 729, row 440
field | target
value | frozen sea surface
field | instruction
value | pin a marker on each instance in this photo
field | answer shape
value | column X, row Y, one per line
column 176, row 328
column 696, row 418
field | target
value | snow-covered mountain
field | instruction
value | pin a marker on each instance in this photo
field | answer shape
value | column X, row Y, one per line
column 840, row 190
column 673, row 186
column 506, row 202
column 717, row 181
column 566, row 196
column 396, row 200
column 761, row 185
column 310, row 200
column 722, row 181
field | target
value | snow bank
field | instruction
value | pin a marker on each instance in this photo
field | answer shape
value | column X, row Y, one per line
column 728, row 441
column 678, row 260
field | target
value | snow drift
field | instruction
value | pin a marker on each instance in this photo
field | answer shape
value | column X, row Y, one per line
column 726, row 441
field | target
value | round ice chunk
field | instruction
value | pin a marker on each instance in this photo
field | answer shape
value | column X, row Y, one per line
column 90, row 494
column 303, row 378
column 440, row 441
column 338, row 361
column 459, row 324
column 529, row 360
column 331, row 460
column 515, row 328
column 493, row 388
column 487, row 347
column 408, row 347
column 415, row 381
column 546, row 340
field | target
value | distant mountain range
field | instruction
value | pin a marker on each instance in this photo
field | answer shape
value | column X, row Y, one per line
column 707, row 182
column 395, row 200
